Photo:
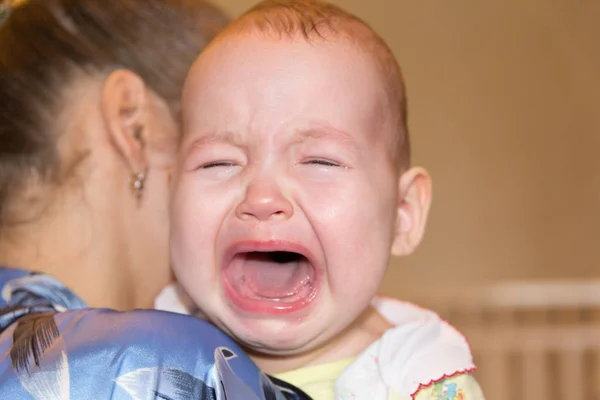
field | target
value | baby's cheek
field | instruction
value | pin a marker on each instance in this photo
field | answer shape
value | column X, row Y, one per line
column 362, row 242
column 328, row 197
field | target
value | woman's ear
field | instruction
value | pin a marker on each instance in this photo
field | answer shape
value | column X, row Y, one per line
column 413, row 209
column 125, row 112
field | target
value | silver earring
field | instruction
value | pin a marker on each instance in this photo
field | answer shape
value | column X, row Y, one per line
column 137, row 184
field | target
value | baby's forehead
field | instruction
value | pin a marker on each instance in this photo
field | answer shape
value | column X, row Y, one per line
column 322, row 23
column 329, row 81
column 238, row 53
column 239, row 65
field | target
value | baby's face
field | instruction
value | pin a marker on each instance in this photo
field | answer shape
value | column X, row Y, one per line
column 286, row 196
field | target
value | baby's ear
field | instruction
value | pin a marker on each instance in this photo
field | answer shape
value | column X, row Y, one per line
column 413, row 209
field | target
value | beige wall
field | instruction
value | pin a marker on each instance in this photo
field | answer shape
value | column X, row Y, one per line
column 503, row 112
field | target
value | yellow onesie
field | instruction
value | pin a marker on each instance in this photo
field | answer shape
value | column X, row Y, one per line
column 319, row 383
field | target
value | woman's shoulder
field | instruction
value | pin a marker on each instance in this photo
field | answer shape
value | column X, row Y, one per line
column 46, row 348
column 141, row 354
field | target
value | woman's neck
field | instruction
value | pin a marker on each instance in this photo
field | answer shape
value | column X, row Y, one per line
column 81, row 250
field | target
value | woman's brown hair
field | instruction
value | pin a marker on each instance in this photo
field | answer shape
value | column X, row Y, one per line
column 44, row 43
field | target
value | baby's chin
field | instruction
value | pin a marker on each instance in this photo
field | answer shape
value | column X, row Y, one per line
column 275, row 337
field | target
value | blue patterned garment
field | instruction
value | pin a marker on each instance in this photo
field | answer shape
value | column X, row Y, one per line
column 54, row 348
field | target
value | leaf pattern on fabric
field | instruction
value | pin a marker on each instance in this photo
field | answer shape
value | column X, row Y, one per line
column 223, row 384
column 33, row 335
column 164, row 383
column 38, row 356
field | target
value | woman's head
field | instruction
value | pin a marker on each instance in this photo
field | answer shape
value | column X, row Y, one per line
column 89, row 95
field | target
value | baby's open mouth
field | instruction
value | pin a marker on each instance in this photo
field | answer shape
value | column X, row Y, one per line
column 276, row 276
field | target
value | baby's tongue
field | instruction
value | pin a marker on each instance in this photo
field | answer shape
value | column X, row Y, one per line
column 263, row 277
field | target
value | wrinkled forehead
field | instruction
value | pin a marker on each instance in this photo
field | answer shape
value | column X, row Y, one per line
column 265, row 82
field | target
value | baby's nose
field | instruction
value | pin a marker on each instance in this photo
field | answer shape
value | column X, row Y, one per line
column 264, row 201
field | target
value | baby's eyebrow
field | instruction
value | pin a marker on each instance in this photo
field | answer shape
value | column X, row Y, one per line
column 228, row 137
column 323, row 131
column 318, row 132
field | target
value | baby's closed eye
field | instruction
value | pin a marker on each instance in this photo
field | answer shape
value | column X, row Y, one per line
column 214, row 164
column 323, row 162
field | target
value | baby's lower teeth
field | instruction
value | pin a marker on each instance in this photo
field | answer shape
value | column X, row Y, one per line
column 287, row 298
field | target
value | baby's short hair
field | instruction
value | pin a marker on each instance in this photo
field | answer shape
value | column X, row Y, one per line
column 318, row 20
